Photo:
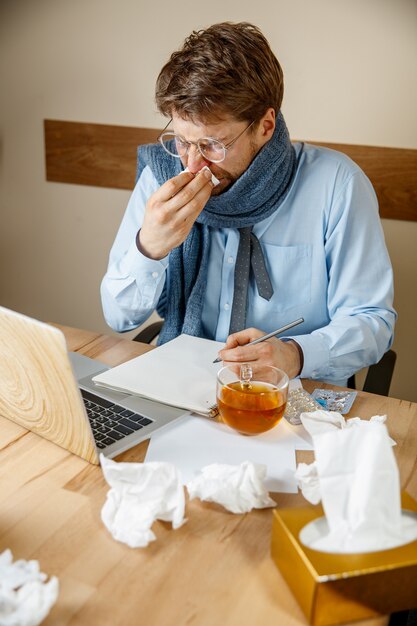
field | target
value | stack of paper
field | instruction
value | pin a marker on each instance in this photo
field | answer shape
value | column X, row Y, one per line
column 180, row 373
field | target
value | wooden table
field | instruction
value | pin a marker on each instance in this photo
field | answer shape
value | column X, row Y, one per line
column 216, row 570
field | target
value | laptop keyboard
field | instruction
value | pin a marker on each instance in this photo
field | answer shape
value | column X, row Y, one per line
column 111, row 422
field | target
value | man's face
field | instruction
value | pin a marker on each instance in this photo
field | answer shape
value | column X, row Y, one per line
column 238, row 156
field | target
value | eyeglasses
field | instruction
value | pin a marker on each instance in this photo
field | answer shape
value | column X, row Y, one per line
column 211, row 149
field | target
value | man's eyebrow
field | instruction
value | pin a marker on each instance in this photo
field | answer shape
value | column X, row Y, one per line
column 221, row 138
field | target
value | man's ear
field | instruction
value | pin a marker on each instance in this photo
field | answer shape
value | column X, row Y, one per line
column 267, row 124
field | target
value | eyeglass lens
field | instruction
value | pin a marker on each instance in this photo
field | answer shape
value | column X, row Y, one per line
column 211, row 149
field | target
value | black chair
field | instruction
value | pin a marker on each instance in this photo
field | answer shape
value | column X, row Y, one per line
column 403, row 618
column 149, row 333
column 378, row 378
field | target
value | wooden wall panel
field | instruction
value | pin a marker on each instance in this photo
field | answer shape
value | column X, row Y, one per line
column 105, row 156
column 93, row 154
column 393, row 173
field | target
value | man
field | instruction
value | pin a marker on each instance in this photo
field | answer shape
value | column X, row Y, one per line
column 290, row 230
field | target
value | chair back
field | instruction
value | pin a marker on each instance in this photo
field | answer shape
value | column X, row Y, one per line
column 379, row 376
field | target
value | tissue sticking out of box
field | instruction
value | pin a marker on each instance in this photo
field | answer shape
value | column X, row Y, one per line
column 238, row 488
column 356, row 477
column 140, row 494
column 25, row 596
column 214, row 180
column 316, row 422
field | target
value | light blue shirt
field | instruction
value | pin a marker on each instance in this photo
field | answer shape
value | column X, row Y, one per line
column 326, row 256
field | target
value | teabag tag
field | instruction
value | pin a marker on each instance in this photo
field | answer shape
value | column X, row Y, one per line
column 246, row 374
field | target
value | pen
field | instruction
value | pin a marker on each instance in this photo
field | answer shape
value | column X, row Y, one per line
column 269, row 335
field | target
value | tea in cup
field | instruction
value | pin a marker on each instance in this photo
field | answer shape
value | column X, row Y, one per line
column 251, row 398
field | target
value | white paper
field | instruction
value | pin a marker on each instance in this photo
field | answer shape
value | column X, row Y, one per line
column 238, row 488
column 301, row 438
column 193, row 442
column 140, row 494
column 180, row 373
column 25, row 596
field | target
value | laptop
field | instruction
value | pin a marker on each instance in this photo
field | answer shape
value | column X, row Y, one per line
column 50, row 391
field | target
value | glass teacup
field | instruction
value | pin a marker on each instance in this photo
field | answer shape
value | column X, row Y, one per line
column 251, row 398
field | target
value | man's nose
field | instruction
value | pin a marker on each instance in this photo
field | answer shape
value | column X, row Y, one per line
column 195, row 160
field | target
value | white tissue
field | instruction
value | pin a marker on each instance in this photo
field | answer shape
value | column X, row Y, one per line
column 25, row 597
column 239, row 488
column 359, row 487
column 308, row 481
column 140, row 494
column 214, row 180
column 317, row 422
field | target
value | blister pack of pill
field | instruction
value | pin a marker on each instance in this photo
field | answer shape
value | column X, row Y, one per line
column 299, row 401
column 331, row 400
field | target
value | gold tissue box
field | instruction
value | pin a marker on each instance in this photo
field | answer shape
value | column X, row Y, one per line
column 336, row 588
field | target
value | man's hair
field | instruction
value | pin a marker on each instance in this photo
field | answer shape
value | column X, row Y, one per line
column 227, row 68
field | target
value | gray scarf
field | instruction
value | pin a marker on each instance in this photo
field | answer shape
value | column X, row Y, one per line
column 253, row 197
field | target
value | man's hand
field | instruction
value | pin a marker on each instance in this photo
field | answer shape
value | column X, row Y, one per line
column 171, row 212
column 281, row 354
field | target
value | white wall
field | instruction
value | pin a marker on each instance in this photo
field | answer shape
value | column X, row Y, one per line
column 350, row 69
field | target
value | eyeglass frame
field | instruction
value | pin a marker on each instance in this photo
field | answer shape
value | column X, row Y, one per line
column 196, row 143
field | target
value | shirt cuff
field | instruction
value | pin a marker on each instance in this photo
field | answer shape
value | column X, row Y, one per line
column 147, row 273
column 300, row 354
column 140, row 266
column 316, row 356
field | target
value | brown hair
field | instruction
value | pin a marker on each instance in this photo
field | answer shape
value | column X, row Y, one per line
column 227, row 68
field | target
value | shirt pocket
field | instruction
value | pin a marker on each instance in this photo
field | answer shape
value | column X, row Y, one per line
column 290, row 271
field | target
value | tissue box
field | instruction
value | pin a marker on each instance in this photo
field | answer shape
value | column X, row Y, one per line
column 336, row 588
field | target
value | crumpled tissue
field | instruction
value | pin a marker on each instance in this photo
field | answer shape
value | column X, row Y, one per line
column 238, row 488
column 25, row 597
column 356, row 477
column 140, row 494
column 308, row 480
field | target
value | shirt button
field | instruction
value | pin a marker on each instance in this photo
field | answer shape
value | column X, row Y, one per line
column 155, row 274
column 230, row 260
column 226, row 306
